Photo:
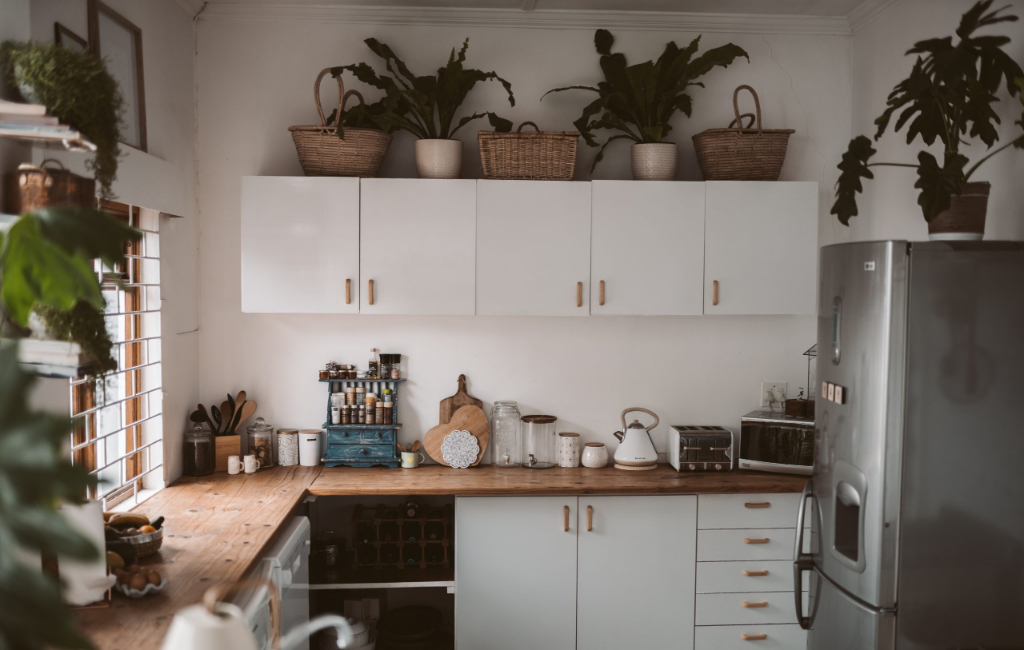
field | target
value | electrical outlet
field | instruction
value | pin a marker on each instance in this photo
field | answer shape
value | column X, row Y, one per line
column 773, row 391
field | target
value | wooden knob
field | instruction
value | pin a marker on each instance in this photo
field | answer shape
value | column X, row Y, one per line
column 370, row 299
column 759, row 605
column 590, row 518
column 756, row 540
column 601, row 301
column 579, row 294
column 757, row 505
column 756, row 574
column 753, row 637
column 714, row 293
column 348, row 291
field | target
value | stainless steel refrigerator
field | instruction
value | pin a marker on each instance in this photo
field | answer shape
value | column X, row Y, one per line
column 917, row 496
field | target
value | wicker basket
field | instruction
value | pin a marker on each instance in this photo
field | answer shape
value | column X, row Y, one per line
column 323, row 153
column 742, row 153
column 533, row 155
column 146, row 543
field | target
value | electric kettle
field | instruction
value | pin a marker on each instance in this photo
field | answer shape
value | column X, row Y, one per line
column 636, row 449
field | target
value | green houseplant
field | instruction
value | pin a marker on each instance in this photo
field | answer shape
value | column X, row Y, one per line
column 640, row 100
column 77, row 89
column 947, row 98
column 426, row 106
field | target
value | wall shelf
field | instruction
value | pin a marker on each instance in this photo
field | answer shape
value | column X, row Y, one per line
column 64, row 144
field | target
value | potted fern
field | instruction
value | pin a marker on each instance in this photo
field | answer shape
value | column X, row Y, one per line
column 426, row 106
column 947, row 98
column 640, row 100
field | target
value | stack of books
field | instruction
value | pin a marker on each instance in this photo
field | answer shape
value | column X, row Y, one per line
column 52, row 358
column 31, row 121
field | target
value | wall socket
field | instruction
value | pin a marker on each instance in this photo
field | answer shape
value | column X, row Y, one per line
column 770, row 390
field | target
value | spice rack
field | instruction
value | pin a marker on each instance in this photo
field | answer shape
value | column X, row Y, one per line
column 362, row 445
column 382, row 542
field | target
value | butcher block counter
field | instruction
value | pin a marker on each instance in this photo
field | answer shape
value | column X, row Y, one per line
column 218, row 527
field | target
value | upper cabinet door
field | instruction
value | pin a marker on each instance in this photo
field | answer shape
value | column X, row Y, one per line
column 300, row 245
column 761, row 248
column 533, row 248
column 647, row 250
column 418, row 240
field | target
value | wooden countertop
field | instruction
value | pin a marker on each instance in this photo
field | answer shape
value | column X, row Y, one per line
column 484, row 480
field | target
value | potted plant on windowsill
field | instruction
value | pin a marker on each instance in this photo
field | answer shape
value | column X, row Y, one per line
column 640, row 100
column 947, row 98
column 426, row 106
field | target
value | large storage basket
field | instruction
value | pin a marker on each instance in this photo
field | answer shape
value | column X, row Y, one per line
column 529, row 155
column 742, row 153
column 323, row 153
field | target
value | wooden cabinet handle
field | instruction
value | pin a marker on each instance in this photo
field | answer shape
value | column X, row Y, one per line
column 590, row 518
column 760, row 540
column 714, row 292
column 756, row 574
column 566, row 527
column 370, row 298
column 753, row 637
column 579, row 294
column 757, row 505
column 348, row 292
column 601, row 298
column 763, row 603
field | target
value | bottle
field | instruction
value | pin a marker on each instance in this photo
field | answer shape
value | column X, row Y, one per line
column 412, row 555
column 367, row 534
column 389, row 554
column 412, row 509
column 435, row 554
column 435, row 531
column 373, row 367
column 389, row 532
column 411, row 532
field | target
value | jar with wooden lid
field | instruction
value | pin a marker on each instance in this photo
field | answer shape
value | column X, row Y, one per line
column 287, row 447
column 538, row 441
column 261, row 442
column 198, row 458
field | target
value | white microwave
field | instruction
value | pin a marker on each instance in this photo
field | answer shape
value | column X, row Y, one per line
column 774, row 442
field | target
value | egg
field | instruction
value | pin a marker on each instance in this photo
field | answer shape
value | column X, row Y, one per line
column 138, row 582
column 154, row 578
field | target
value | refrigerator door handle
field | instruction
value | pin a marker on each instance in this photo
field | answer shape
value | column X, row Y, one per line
column 801, row 561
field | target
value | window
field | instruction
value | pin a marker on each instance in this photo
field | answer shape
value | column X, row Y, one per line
column 118, row 425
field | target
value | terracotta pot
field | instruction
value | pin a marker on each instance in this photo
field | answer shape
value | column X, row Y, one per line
column 438, row 158
column 655, row 161
column 227, row 446
column 965, row 218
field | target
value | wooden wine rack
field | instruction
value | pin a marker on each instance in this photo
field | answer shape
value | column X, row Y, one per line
column 407, row 554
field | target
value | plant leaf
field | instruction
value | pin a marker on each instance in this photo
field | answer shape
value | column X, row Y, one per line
column 603, row 41
column 938, row 184
column 854, row 167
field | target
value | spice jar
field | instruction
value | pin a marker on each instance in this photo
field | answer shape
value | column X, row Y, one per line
column 335, row 415
column 362, row 414
column 351, row 372
column 389, row 412
column 350, row 395
column 371, row 415
column 346, row 417
column 325, row 374
column 287, row 447
column 379, row 417
column 396, row 366
column 198, row 457
column 388, row 394
column 360, row 395
column 260, row 442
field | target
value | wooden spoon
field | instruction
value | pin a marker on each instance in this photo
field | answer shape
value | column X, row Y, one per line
column 416, row 446
column 240, row 398
column 401, row 448
column 245, row 412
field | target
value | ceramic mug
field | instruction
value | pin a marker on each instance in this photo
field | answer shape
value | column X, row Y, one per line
column 568, row 449
column 234, row 465
column 595, row 454
column 412, row 459
column 251, row 464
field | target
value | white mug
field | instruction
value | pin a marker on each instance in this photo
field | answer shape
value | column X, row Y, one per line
column 234, row 465
column 251, row 464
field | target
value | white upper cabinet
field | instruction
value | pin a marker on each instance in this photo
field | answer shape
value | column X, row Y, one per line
column 533, row 248
column 418, row 246
column 647, row 248
column 300, row 244
column 761, row 247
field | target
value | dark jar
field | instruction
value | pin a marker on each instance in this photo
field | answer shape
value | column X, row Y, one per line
column 198, row 458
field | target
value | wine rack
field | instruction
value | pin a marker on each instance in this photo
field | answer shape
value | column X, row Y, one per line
column 385, row 539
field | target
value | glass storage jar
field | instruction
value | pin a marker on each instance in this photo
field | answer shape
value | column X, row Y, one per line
column 198, row 457
column 261, row 442
column 538, row 441
column 505, row 441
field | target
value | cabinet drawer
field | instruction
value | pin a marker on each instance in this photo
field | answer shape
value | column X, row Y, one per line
column 729, row 609
column 730, row 637
column 378, row 436
column 747, row 544
column 748, row 511
column 728, row 577
column 356, row 452
column 343, row 437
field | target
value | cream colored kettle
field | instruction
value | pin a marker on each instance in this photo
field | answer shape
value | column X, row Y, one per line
column 636, row 448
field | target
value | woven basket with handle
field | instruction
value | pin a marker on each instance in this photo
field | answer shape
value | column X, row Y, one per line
column 323, row 153
column 528, row 155
column 742, row 153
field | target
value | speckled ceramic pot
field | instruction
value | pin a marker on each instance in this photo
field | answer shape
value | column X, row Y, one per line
column 438, row 158
column 595, row 454
column 655, row 161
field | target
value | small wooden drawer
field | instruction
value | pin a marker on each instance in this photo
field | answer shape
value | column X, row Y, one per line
column 378, row 436
column 748, row 511
column 344, row 437
column 748, row 544
column 357, row 452
column 764, row 608
column 751, row 575
column 750, row 637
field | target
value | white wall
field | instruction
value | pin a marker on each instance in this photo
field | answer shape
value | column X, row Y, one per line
column 254, row 80
column 888, row 208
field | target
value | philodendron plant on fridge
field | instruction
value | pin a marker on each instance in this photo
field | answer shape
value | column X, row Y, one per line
column 426, row 106
column 948, row 97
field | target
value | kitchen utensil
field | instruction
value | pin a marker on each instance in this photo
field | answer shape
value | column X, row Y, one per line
column 415, row 446
column 467, row 418
column 251, row 464
column 309, row 447
column 538, row 441
column 401, row 448
column 450, row 405
column 411, row 460
column 636, row 448
column 595, row 455
column 505, row 425
column 568, row 449
column 245, row 412
column 700, row 448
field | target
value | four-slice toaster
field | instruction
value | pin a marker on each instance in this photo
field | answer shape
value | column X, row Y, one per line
column 696, row 448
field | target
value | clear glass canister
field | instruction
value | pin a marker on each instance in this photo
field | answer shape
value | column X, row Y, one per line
column 538, row 441
column 505, row 440
column 287, row 447
column 199, row 458
column 261, row 442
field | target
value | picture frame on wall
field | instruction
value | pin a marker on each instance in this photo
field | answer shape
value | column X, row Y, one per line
column 64, row 37
column 117, row 40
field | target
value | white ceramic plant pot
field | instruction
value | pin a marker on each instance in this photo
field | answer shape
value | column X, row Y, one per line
column 438, row 158
column 655, row 161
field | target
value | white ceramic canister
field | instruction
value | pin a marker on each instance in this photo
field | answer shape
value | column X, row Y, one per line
column 287, row 447
column 568, row 449
column 595, row 454
column 309, row 447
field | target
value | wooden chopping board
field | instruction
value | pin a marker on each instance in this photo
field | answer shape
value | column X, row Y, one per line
column 468, row 418
column 451, row 404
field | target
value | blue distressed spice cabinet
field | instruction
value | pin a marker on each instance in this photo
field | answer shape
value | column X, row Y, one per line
column 362, row 445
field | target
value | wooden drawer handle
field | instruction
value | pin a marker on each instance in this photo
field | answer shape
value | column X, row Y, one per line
column 753, row 637
column 714, row 294
column 370, row 300
column 579, row 294
column 763, row 603
column 348, row 292
column 590, row 518
column 756, row 574
column 756, row 540
column 566, row 527
column 757, row 505
column 601, row 299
